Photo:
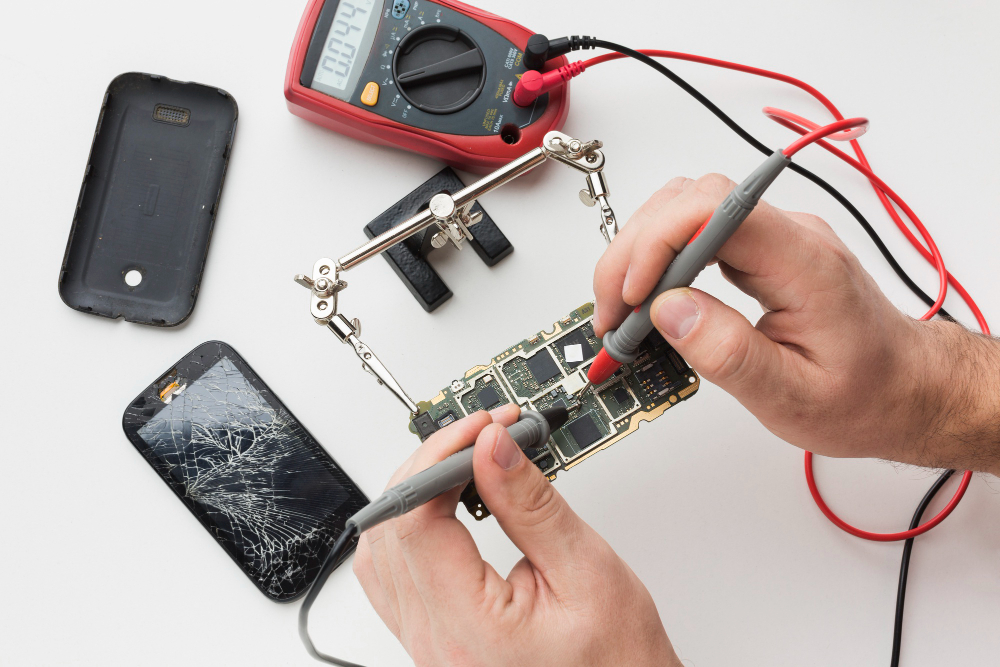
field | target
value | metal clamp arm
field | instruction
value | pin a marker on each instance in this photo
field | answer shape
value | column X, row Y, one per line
column 597, row 193
column 349, row 331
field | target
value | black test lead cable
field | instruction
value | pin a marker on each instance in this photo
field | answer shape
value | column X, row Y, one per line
column 576, row 43
column 347, row 539
column 904, row 567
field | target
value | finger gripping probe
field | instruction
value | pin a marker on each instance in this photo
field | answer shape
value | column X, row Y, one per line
column 531, row 430
column 621, row 345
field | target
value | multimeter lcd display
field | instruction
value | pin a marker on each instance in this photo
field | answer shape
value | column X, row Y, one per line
column 348, row 42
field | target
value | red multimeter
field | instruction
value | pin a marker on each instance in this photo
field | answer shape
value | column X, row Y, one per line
column 436, row 78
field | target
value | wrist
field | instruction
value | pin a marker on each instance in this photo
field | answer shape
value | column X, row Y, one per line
column 955, row 398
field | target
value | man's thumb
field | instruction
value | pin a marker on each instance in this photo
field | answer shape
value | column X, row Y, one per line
column 528, row 508
column 716, row 340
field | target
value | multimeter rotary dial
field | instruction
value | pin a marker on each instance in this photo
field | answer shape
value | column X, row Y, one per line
column 439, row 69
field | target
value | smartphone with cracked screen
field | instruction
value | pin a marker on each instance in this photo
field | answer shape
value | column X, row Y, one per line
column 254, row 477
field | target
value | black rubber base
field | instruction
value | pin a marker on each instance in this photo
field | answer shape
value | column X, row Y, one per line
column 409, row 258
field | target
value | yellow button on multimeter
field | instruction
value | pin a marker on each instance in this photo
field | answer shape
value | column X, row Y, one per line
column 370, row 94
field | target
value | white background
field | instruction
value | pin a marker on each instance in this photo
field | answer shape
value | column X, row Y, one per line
column 103, row 566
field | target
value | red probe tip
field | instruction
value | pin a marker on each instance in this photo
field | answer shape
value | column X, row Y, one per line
column 602, row 368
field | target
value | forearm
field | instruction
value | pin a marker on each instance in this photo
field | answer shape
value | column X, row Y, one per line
column 961, row 400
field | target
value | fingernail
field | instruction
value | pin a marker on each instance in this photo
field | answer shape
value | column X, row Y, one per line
column 497, row 413
column 597, row 318
column 628, row 271
column 677, row 314
column 506, row 453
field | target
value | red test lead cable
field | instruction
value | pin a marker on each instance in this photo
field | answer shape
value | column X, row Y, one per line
column 882, row 537
column 808, row 129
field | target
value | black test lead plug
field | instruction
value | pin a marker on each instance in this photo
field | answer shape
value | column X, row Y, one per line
column 540, row 49
column 531, row 430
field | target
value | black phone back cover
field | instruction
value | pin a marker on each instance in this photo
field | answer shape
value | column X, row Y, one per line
column 148, row 200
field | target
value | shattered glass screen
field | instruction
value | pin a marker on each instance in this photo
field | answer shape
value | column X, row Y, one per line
column 253, row 476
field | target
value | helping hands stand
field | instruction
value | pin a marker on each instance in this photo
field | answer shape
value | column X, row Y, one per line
column 451, row 215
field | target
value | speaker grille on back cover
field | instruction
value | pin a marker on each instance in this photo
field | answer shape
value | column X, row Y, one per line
column 172, row 115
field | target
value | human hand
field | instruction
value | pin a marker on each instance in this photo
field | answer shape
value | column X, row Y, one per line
column 570, row 601
column 832, row 366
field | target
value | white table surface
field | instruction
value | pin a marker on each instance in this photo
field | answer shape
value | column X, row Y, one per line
column 102, row 566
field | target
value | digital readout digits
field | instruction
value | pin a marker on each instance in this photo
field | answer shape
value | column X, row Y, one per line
column 347, row 33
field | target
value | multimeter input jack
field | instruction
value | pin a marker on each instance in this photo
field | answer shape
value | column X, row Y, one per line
column 510, row 133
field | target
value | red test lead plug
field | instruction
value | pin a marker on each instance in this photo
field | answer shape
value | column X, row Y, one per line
column 535, row 84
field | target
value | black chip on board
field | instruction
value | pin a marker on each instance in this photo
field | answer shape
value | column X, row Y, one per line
column 676, row 360
column 546, row 463
column 576, row 338
column 622, row 397
column 584, row 431
column 488, row 398
column 425, row 425
column 542, row 367
column 532, row 452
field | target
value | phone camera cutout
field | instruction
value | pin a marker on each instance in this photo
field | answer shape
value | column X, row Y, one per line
column 133, row 277
column 173, row 389
column 170, row 386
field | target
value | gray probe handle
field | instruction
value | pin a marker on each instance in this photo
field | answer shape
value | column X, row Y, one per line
column 530, row 430
column 622, row 343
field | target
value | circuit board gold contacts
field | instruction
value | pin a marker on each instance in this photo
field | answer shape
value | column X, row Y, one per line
column 549, row 368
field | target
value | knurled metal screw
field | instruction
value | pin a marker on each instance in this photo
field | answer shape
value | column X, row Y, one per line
column 442, row 206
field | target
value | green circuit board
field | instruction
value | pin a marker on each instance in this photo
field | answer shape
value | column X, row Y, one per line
column 550, row 367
